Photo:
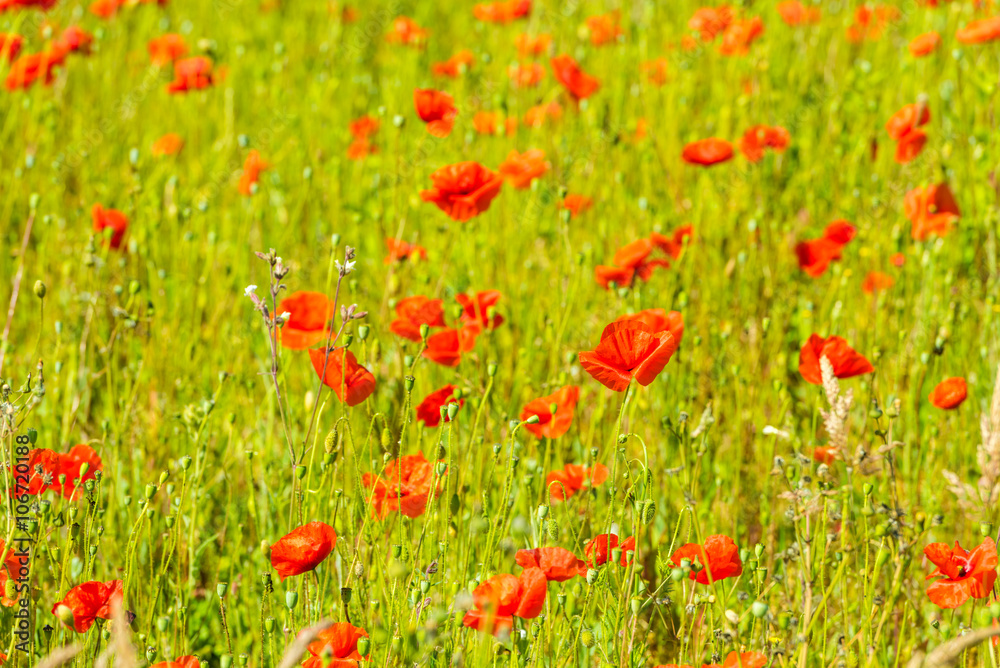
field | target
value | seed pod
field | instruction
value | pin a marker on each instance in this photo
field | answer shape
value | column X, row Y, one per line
column 592, row 576
column 648, row 511
column 552, row 530
column 364, row 646
column 587, row 638
column 291, row 599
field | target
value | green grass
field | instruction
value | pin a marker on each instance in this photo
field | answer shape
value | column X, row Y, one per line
column 154, row 353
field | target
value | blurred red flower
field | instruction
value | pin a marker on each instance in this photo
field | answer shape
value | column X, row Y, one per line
column 166, row 49
column 336, row 647
column 168, row 144
column 412, row 312
column 573, row 478
column 794, row 13
column 925, row 44
column 577, row 83
column 707, row 152
column 446, row 347
column 406, row 31
column 846, row 362
column 555, row 412
column 949, row 393
column 436, row 109
column 454, row 66
column 405, row 486
column 502, row 11
column 815, row 255
column 480, row 308
column 658, row 320
column 931, row 210
column 718, row 558
column 401, row 251
column 252, row 168
column 522, row 168
column 429, row 410
column 598, row 550
column 760, row 137
column 192, row 74
column 502, row 597
column 308, row 321
column 557, row 563
column 109, row 219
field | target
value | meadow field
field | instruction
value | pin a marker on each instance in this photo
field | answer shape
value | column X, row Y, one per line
column 525, row 333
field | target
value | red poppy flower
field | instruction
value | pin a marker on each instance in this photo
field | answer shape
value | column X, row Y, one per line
column 711, row 21
column 526, row 75
column 429, row 410
column 910, row 146
column 401, row 251
column 604, row 28
column 104, row 9
column 522, row 168
column 979, row 31
column 252, row 168
column 192, row 74
column 964, row 574
column 738, row 37
column 502, row 11
column 180, row 662
column 815, row 255
column 351, row 382
column 707, row 152
column 931, row 210
column 605, row 276
column 655, row 71
column 406, row 31
column 628, row 351
column 44, row 5
column 566, row 482
column 536, row 116
column 576, row 204
column 949, row 393
column 454, row 66
column 794, row 13
column 109, row 219
column 658, row 320
column 718, row 558
column 303, row 549
column 876, row 281
column 480, row 308
column 308, row 320
column 463, row 190
column 825, row 454
column 845, row 361
column 761, row 137
column 598, row 550
column 552, row 423
column 166, row 49
column 492, row 123
column 364, row 127
column 32, row 67
column 446, row 347
column 412, row 312
column 907, row 119
column 10, row 46
column 502, row 597
column 405, row 486
column 72, row 39
column 577, row 83
column 745, row 660
column 70, row 465
column 557, row 563
column 86, row 603
column 11, row 571
column 923, row 45
column 168, row 144
column 897, row 259
column 436, row 109
column 532, row 45
column 870, row 22
column 673, row 245
column 336, row 647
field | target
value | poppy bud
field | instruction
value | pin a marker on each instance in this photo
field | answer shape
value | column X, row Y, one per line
column 491, row 369
column 592, row 576
column 496, row 449
column 150, row 654
column 335, row 240
column 150, row 489
column 408, row 381
column 226, row 660
column 677, row 574
column 9, row 589
column 398, row 121
column 162, row 622
column 440, row 468
column 397, row 644
column 552, row 529
column 587, row 638
column 345, row 595
column 31, row 525
column 185, row 462
column 364, row 646
column 65, row 614
column 291, row 599
column 300, row 471
column 397, row 550
column 561, row 599
column 453, row 411
column 269, row 624
column 985, row 529
column 220, row 589
column 543, row 510
column 40, row 290
column 758, row 551
column 532, row 420
column 363, row 332
column 868, row 488
column 408, row 362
